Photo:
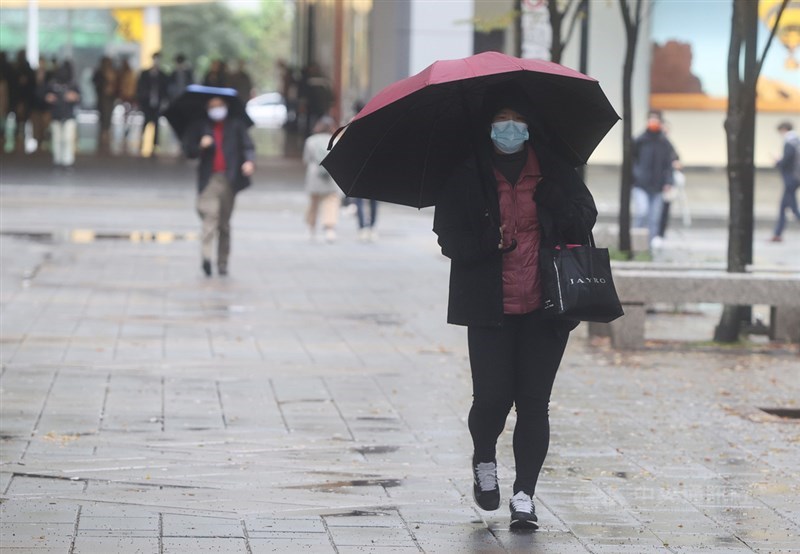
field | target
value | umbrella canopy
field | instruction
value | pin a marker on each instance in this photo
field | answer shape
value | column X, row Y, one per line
column 406, row 141
column 190, row 107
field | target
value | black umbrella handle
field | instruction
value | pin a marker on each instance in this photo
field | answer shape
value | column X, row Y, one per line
column 510, row 248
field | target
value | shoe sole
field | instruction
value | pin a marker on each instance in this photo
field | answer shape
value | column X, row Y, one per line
column 524, row 524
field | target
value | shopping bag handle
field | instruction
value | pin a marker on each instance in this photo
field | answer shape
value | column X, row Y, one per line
column 562, row 244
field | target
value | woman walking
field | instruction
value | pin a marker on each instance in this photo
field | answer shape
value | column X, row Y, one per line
column 322, row 190
column 498, row 208
column 63, row 96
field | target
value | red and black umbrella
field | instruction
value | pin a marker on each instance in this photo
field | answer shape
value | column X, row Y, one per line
column 406, row 141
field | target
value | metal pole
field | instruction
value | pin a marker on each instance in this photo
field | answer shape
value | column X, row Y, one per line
column 338, row 47
column 584, row 55
column 584, row 60
column 32, row 46
column 69, row 47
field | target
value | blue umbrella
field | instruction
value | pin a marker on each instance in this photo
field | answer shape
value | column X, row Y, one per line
column 190, row 107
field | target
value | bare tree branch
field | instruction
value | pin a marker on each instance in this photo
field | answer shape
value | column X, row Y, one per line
column 638, row 12
column 626, row 14
column 734, row 53
column 772, row 32
column 573, row 21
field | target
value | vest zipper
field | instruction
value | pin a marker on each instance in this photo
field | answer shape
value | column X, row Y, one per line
column 516, row 230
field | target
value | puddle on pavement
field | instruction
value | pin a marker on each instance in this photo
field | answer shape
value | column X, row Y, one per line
column 359, row 513
column 377, row 318
column 33, row 236
column 338, row 486
column 376, row 449
column 84, row 236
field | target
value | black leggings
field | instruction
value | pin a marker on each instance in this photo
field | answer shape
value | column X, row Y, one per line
column 515, row 364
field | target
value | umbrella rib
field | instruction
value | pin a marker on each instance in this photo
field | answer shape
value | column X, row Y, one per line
column 375, row 147
column 425, row 164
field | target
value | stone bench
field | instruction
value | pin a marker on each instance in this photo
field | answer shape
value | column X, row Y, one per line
column 639, row 287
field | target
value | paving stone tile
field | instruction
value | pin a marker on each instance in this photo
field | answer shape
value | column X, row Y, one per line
column 719, row 540
column 370, row 536
column 376, row 549
column 24, row 485
column 292, row 545
column 119, row 545
column 21, row 539
column 628, row 549
column 199, row 526
column 388, row 520
column 257, row 524
column 174, row 545
column 126, row 523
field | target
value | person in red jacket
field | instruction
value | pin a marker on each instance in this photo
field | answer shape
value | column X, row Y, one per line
column 227, row 161
column 515, row 196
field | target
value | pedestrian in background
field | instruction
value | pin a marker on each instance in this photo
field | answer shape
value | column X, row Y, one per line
column 181, row 77
column 316, row 94
column 127, row 95
column 63, row 96
column 106, row 86
column 323, row 193
column 151, row 93
column 40, row 109
column 240, row 80
column 789, row 166
column 496, row 211
column 216, row 75
column 652, row 176
column 366, row 210
column 22, row 94
column 6, row 77
column 672, row 194
column 227, row 161
column 367, row 214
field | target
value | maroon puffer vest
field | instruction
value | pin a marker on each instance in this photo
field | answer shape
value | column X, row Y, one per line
column 521, row 287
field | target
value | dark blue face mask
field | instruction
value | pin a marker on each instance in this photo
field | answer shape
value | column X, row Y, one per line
column 509, row 136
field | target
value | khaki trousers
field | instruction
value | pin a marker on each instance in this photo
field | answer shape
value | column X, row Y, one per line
column 328, row 205
column 215, row 206
column 64, row 136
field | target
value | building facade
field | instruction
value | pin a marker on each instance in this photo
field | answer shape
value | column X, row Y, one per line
column 364, row 45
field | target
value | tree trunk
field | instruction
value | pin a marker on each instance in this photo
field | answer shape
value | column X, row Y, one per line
column 625, row 245
column 556, row 44
column 518, row 28
column 632, row 34
column 740, row 130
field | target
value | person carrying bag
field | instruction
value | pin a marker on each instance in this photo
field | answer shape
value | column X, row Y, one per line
column 577, row 283
column 498, row 214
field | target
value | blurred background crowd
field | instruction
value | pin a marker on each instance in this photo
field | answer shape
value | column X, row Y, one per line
column 119, row 94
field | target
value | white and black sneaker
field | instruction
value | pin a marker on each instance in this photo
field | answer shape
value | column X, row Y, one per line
column 485, row 488
column 523, row 513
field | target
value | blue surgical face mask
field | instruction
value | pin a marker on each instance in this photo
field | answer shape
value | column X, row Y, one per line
column 509, row 136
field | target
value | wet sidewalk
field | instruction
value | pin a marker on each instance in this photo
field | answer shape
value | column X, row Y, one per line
column 315, row 400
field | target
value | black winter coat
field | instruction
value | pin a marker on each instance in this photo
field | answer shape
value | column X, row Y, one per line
column 466, row 222
column 653, row 154
column 237, row 147
column 60, row 109
column 152, row 89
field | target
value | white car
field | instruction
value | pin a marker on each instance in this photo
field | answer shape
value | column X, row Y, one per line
column 267, row 110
